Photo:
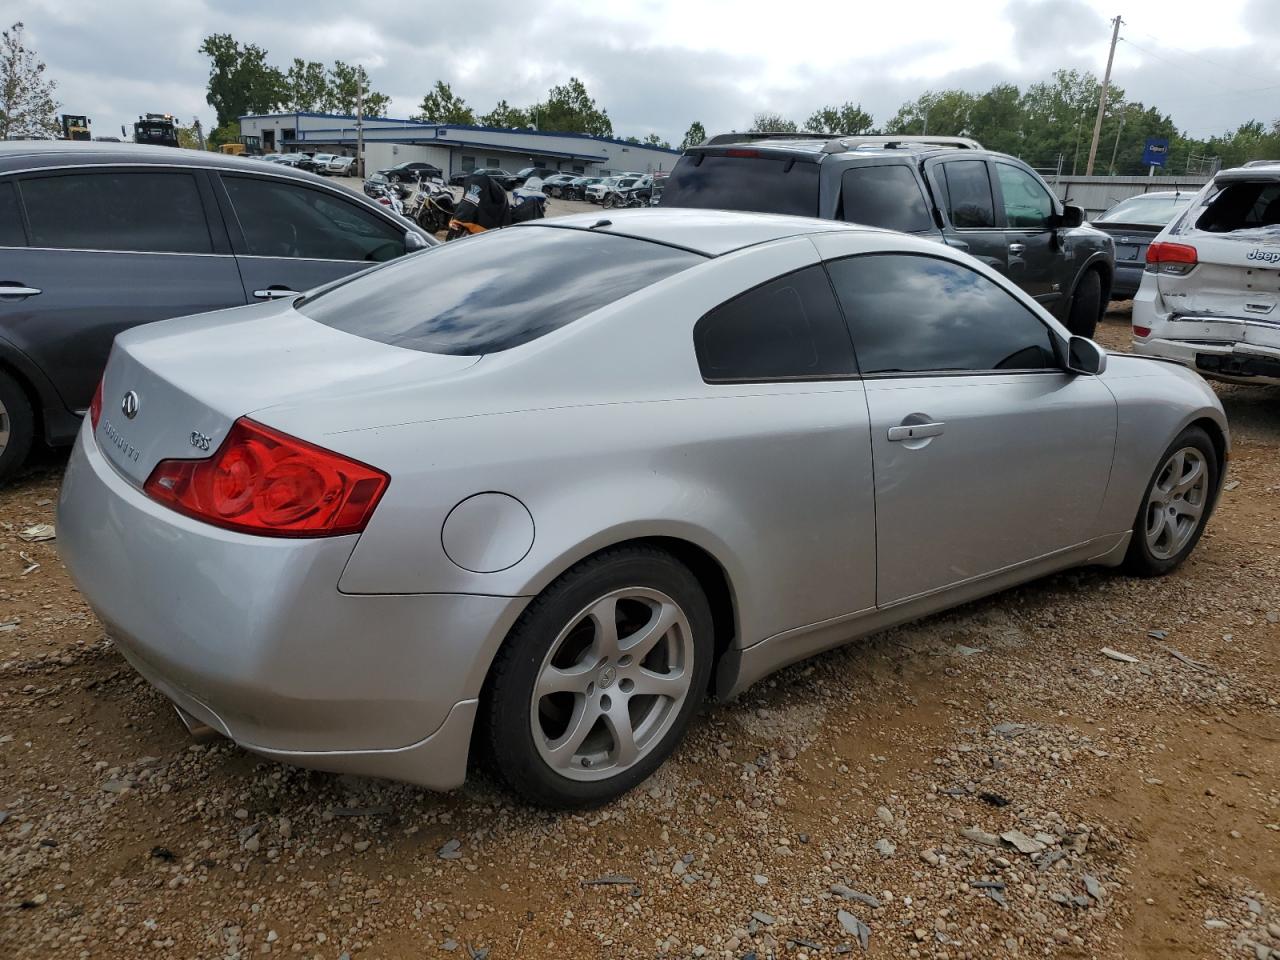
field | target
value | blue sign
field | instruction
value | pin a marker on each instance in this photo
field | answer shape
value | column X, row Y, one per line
column 1155, row 152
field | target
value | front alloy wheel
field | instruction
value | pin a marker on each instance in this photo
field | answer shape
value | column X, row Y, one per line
column 1176, row 505
column 598, row 680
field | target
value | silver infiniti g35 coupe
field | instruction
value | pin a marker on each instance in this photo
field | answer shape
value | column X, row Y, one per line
column 542, row 490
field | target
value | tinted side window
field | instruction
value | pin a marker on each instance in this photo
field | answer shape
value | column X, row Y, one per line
column 285, row 220
column 1026, row 203
column 969, row 191
column 11, row 232
column 887, row 196
column 117, row 210
column 787, row 329
column 912, row 314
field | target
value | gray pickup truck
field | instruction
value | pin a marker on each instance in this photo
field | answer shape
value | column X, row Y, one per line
column 989, row 204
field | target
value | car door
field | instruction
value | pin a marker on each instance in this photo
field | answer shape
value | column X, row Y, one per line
column 1029, row 230
column 781, row 354
column 289, row 236
column 987, row 453
column 973, row 222
column 109, row 248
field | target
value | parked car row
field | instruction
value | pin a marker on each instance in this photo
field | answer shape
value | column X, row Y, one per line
column 331, row 164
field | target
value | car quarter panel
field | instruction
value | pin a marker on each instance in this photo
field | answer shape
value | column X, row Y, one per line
column 1156, row 401
column 606, row 432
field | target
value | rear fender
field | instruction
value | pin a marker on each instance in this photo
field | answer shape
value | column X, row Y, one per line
column 57, row 423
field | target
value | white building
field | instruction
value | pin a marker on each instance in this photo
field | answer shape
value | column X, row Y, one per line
column 454, row 148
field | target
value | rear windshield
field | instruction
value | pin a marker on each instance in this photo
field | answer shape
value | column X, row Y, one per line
column 1151, row 211
column 494, row 291
column 1251, row 205
column 758, row 184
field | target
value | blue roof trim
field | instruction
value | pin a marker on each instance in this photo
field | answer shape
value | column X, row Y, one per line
column 464, row 126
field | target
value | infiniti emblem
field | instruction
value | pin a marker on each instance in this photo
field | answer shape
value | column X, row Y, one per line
column 606, row 678
column 129, row 405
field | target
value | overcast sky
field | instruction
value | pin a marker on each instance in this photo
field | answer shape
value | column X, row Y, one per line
column 657, row 65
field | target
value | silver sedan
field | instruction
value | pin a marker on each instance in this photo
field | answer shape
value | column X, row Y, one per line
column 476, row 491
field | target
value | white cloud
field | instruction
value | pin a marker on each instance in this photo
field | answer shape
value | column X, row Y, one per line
column 657, row 65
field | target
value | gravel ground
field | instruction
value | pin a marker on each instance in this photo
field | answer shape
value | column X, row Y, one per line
column 985, row 783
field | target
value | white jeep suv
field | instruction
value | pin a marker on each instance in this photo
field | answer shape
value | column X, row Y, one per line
column 1210, row 293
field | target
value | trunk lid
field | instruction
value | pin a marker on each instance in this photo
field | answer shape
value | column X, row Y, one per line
column 173, row 389
column 1131, row 239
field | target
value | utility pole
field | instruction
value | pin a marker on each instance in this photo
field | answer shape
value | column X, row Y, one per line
column 360, row 122
column 199, row 132
column 1102, row 97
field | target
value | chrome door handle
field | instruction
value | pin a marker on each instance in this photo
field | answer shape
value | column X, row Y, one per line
column 275, row 293
column 16, row 291
column 1017, row 247
column 916, row 431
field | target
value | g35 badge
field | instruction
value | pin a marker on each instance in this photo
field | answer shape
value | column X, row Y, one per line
column 200, row 441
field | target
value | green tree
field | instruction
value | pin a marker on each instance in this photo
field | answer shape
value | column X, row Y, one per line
column 653, row 140
column 442, row 105
column 344, row 81
column 995, row 119
column 846, row 118
column 189, row 136
column 306, row 86
column 769, row 122
column 240, row 79
column 942, row 113
column 506, row 116
column 27, row 106
column 694, row 135
column 570, row 109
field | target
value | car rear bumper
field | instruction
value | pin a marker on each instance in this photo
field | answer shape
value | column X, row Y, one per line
column 1232, row 362
column 251, row 636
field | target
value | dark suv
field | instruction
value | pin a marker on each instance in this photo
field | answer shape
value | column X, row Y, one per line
column 989, row 204
column 96, row 238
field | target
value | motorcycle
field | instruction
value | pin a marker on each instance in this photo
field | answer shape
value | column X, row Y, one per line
column 622, row 199
column 432, row 206
column 391, row 198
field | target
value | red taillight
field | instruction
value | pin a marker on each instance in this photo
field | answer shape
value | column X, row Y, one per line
column 1172, row 258
column 264, row 482
column 1142, row 332
column 95, row 406
column 742, row 153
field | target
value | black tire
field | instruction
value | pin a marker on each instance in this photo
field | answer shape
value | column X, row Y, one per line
column 506, row 716
column 15, row 415
column 1140, row 561
column 1086, row 305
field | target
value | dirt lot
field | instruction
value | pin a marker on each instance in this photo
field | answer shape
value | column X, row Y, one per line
column 860, row 793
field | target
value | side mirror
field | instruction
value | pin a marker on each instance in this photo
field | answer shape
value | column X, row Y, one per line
column 1072, row 216
column 414, row 241
column 1085, row 357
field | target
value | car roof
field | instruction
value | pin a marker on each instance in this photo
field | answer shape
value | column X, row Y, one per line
column 709, row 232
column 1160, row 195
column 34, row 154
column 1267, row 170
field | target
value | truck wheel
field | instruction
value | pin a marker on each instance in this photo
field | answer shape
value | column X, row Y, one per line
column 17, row 426
column 1086, row 305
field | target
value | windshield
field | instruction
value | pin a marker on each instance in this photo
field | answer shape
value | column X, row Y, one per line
column 495, row 290
column 750, row 182
column 1155, row 211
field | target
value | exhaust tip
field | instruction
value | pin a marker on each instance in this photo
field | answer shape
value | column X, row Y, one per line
column 199, row 730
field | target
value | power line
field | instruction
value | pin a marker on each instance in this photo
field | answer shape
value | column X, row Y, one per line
column 1190, row 53
column 1215, row 81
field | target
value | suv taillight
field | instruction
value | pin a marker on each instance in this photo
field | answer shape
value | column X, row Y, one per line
column 264, row 482
column 95, row 406
column 1175, row 259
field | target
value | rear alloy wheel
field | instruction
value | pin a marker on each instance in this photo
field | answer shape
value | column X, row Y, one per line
column 17, row 426
column 1176, row 506
column 1086, row 306
column 596, row 684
